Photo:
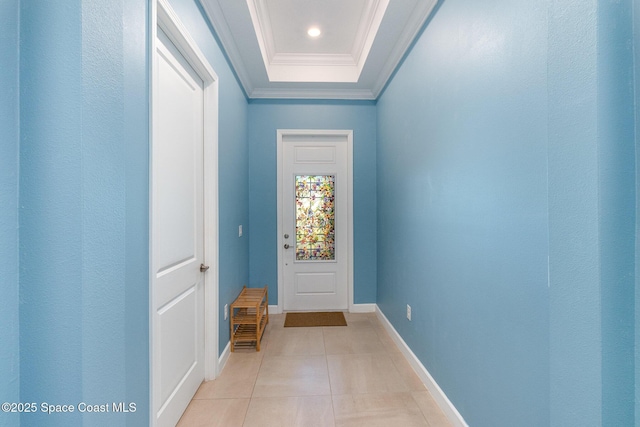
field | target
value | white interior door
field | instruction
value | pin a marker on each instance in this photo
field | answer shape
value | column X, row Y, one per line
column 177, row 233
column 315, row 243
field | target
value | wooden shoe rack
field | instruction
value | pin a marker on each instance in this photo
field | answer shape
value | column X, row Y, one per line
column 249, row 316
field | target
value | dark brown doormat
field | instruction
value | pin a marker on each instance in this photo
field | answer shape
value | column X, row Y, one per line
column 333, row 318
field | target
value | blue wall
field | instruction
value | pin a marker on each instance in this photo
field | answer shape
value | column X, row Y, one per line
column 84, row 208
column 51, row 207
column 636, row 44
column 575, row 335
column 506, row 169
column 617, row 209
column 84, row 202
column 509, row 130
column 592, row 213
column 233, row 160
column 9, row 143
column 462, row 184
column 83, row 189
column 265, row 117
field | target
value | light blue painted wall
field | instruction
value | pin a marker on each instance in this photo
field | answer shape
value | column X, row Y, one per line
column 490, row 99
column 84, row 197
column 84, row 208
column 233, row 160
column 617, row 209
column 462, row 208
column 84, row 203
column 9, row 168
column 515, row 123
column 636, row 37
column 51, row 207
column 575, row 334
column 592, row 213
column 265, row 117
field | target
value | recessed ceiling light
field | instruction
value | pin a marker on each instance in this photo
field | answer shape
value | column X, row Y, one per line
column 314, row 32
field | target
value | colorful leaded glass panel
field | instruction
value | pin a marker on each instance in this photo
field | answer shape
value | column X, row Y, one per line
column 315, row 217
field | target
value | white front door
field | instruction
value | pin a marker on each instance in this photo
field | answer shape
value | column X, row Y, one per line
column 315, row 243
column 177, row 233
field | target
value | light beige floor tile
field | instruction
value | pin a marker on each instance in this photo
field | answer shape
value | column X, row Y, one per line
column 377, row 410
column 276, row 321
column 387, row 343
column 364, row 373
column 352, row 341
column 310, row 411
column 295, row 341
column 236, row 380
column 378, row 325
column 360, row 315
column 292, row 376
column 430, row 409
column 358, row 321
column 291, row 381
column 264, row 342
column 384, row 337
column 373, row 317
column 406, row 372
column 215, row 413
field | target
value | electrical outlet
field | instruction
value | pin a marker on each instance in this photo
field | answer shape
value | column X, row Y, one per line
column 408, row 312
column 226, row 311
column 240, row 230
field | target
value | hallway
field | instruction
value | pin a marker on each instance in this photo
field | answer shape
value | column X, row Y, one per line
column 330, row 376
column 496, row 186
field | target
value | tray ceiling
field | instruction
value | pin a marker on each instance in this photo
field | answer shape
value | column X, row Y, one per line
column 360, row 45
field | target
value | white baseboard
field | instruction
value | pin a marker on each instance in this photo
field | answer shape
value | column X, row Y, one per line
column 441, row 399
column 355, row 308
column 362, row 308
column 224, row 357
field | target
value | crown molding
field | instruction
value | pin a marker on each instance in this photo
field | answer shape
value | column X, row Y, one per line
column 241, row 48
column 316, row 68
column 338, row 94
column 419, row 16
column 229, row 45
column 368, row 30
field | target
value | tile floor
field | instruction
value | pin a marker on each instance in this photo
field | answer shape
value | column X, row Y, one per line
column 332, row 376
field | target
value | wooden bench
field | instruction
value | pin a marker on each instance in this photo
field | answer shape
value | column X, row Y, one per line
column 249, row 316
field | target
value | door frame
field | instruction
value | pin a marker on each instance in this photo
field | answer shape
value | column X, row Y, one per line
column 308, row 134
column 163, row 16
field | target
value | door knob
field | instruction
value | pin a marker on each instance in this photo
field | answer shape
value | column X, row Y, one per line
column 286, row 246
column 203, row 268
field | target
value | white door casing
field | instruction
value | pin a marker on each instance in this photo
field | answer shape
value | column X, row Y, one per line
column 318, row 284
column 183, row 210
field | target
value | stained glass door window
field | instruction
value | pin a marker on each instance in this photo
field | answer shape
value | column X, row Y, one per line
column 315, row 217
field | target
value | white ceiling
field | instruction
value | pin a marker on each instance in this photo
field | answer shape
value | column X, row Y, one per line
column 361, row 44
